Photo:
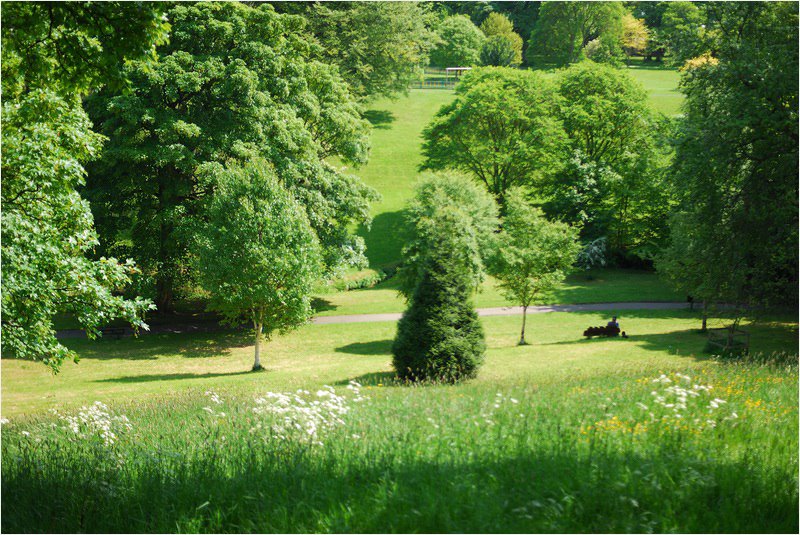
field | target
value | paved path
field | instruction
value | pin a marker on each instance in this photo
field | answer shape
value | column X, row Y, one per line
column 508, row 311
column 394, row 316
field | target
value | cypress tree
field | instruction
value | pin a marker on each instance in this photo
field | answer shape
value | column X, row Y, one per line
column 439, row 336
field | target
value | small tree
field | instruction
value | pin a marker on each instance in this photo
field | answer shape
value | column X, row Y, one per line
column 498, row 25
column 532, row 253
column 478, row 209
column 257, row 255
column 460, row 43
column 440, row 337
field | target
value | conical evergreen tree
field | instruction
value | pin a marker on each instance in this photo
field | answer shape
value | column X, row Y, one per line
column 439, row 336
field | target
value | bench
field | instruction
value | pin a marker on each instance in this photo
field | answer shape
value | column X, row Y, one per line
column 601, row 331
column 117, row 332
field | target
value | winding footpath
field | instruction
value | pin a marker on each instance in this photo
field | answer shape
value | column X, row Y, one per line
column 394, row 316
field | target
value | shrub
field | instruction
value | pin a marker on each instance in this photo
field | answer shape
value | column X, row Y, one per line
column 439, row 336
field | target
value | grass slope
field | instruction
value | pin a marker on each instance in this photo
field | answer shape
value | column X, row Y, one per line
column 560, row 436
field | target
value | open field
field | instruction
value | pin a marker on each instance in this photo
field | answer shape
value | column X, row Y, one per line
column 549, row 437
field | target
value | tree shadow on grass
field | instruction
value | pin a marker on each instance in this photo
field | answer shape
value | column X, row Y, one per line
column 373, row 379
column 321, row 305
column 376, row 347
column 151, row 347
column 384, row 239
column 380, row 119
column 168, row 377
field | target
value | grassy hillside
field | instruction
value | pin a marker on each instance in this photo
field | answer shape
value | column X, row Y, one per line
column 565, row 435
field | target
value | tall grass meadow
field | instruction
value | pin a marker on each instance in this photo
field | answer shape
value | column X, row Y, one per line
column 711, row 449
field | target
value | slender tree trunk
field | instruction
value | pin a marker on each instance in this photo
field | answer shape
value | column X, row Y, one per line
column 165, row 276
column 522, row 341
column 705, row 317
column 257, row 328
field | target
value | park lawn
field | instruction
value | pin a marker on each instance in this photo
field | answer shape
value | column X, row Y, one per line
column 595, row 286
column 162, row 365
column 560, row 436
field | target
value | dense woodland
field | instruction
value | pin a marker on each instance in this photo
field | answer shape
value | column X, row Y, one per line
column 134, row 133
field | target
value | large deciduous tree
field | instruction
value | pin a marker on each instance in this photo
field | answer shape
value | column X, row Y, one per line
column 459, row 43
column 498, row 25
column 532, row 254
column 52, row 54
column 501, row 129
column 735, row 233
column 563, row 29
column 257, row 253
column 234, row 83
column 379, row 47
column 614, row 184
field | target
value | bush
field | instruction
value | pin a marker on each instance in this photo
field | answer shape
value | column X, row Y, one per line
column 439, row 337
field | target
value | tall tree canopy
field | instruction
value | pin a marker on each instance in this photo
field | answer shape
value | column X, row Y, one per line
column 379, row 47
column 234, row 83
column 735, row 235
column 459, row 43
column 614, row 183
column 501, row 128
column 563, row 29
column 497, row 25
column 52, row 54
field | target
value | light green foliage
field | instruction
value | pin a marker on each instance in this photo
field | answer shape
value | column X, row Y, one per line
column 439, row 337
column 501, row 129
column 257, row 254
column 71, row 47
column 478, row 213
column 379, row 47
column 683, row 31
column 498, row 51
column 52, row 55
column 459, row 43
column 614, row 184
column 735, row 232
column 47, row 231
column 498, row 25
column 234, row 83
column 563, row 29
column 635, row 35
column 532, row 254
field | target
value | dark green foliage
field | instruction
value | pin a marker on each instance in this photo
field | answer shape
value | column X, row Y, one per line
column 498, row 51
column 234, row 83
column 439, row 337
column 614, row 184
column 563, row 29
column 734, row 237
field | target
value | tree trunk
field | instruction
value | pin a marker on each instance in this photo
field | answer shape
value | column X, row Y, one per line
column 522, row 341
column 705, row 317
column 257, row 363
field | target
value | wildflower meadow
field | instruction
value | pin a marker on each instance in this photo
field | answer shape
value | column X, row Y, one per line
column 709, row 448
